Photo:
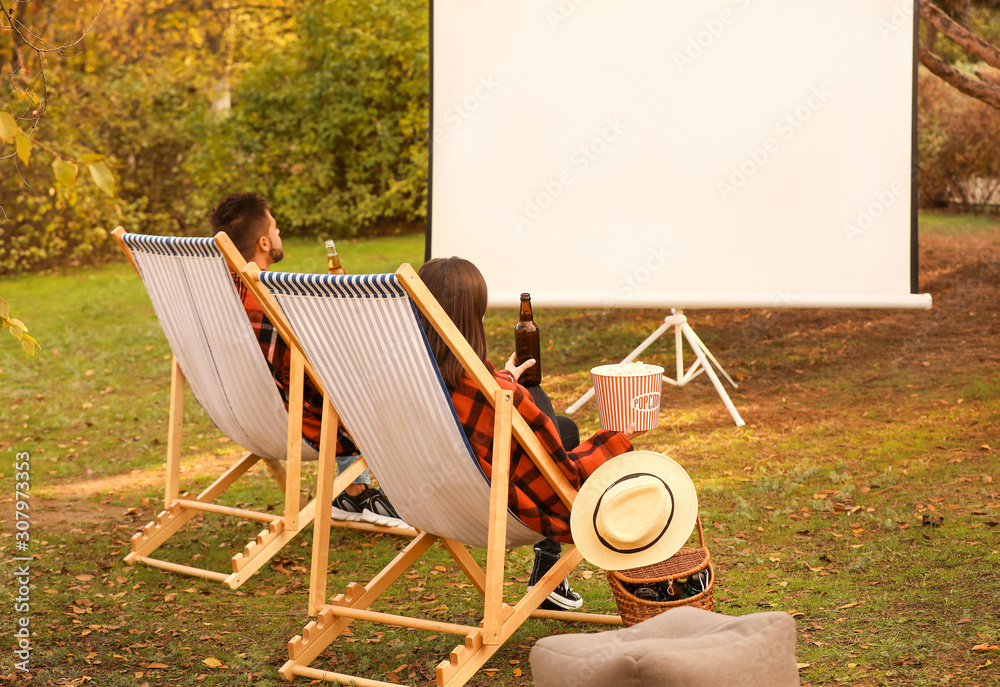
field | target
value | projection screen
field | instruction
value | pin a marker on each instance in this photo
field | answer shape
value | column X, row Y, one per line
column 699, row 154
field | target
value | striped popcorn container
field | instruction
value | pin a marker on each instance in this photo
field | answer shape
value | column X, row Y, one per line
column 628, row 393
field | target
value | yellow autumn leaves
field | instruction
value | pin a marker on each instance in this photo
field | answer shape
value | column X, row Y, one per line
column 17, row 328
column 65, row 170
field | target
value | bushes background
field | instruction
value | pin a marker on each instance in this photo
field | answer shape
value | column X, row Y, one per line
column 958, row 146
column 328, row 118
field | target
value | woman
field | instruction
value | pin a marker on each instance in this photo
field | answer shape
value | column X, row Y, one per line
column 461, row 290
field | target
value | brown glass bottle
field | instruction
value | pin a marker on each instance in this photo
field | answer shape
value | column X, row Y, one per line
column 333, row 265
column 527, row 344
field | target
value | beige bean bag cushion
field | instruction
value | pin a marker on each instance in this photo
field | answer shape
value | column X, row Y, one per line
column 682, row 647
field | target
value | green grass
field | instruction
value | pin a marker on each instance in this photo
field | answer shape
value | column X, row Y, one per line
column 857, row 430
column 951, row 223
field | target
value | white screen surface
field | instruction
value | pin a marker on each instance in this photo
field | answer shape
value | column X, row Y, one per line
column 719, row 153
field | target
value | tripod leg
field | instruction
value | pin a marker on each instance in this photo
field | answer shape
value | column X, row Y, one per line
column 580, row 401
column 700, row 351
column 669, row 322
column 714, row 361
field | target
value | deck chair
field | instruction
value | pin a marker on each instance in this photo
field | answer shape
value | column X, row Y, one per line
column 364, row 339
column 216, row 354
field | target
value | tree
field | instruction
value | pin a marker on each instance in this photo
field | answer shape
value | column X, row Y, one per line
column 981, row 86
column 31, row 43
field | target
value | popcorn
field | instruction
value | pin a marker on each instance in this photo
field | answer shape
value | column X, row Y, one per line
column 625, row 369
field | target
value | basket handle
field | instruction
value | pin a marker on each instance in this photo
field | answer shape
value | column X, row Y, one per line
column 701, row 532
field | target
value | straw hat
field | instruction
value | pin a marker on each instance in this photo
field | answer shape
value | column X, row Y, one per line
column 635, row 510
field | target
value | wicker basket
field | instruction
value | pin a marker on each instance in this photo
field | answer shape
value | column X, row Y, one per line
column 684, row 563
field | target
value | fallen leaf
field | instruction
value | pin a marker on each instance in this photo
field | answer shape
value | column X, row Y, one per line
column 152, row 666
column 213, row 662
column 850, row 605
column 984, row 647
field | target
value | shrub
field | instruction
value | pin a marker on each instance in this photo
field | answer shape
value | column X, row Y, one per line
column 958, row 140
column 334, row 128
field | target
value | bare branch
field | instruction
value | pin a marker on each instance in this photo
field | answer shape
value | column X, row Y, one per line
column 22, row 30
column 977, row 88
column 985, row 51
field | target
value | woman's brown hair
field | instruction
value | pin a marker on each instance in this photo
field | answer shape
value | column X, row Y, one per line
column 459, row 287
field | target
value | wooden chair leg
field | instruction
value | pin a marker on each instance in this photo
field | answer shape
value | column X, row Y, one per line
column 293, row 464
column 174, row 517
column 175, row 426
column 277, row 470
column 497, row 538
column 320, row 633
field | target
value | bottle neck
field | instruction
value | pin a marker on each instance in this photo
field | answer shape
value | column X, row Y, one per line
column 526, row 314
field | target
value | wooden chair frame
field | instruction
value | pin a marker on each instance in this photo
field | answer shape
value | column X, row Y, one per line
column 499, row 618
column 180, row 508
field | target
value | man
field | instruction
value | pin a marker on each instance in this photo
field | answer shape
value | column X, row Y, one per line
column 246, row 219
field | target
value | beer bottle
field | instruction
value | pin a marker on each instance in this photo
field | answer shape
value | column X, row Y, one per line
column 333, row 260
column 527, row 344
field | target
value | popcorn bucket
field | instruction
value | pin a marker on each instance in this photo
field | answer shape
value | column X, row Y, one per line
column 628, row 394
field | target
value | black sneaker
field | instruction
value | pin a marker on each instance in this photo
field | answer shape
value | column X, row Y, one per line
column 351, row 508
column 378, row 511
column 562, row 597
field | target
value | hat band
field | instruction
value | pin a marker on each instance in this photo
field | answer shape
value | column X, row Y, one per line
column 597, row 508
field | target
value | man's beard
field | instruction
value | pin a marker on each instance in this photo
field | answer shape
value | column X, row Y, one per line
column 276, row 255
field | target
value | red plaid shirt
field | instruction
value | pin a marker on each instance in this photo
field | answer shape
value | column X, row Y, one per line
column 531, row 497
column 279, row 357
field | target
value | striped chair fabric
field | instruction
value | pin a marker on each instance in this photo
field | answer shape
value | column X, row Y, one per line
column 364, row 339
column 207, row 328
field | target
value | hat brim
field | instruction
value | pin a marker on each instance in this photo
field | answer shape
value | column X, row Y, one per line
column 685, row 510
